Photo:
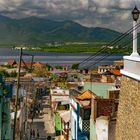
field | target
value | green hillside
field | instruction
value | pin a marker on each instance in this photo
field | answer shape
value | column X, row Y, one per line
column 37, row 31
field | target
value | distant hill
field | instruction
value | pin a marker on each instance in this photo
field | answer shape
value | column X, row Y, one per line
column 33, row 30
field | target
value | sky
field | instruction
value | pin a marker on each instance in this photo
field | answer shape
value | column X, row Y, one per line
column 113, row 14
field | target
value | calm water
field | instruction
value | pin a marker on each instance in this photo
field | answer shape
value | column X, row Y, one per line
column 53, row 58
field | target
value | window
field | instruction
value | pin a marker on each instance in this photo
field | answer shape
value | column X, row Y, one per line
column 87, row 113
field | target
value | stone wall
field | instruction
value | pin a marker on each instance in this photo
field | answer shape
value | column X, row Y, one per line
column 128, row 122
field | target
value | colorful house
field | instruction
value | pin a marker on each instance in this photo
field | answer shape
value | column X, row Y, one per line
column 100, row 89
column 103, row 111
column 58, row 126
column 75, row 113
column 62, row 119
column 65, row 120
column 80, row 115
column 60, row 105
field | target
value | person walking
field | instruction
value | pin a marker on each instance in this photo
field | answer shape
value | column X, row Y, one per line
column 38, row 133
column 33, row 133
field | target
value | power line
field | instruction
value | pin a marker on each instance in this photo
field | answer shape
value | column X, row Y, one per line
column 111, row 43
column 107, row 55
column 100, row 59
column 116, row 41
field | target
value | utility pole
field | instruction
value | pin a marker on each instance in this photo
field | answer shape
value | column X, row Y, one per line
column 32, row 62
column 17, row 95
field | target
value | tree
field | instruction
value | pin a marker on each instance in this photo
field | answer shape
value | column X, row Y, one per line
column 58, row 67
column 40, row 71
column 75, row 66
column 4, row 73
column 13, row 74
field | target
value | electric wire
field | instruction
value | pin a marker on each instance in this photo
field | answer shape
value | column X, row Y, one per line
column 89, row 58
column 97, row 54
column 107, row 55
column 110, row 44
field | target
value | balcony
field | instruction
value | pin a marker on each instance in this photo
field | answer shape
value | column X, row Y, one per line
column 84, row 125
column 131, row 67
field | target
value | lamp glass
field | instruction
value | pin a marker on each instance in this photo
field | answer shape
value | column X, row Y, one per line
column 135, row 14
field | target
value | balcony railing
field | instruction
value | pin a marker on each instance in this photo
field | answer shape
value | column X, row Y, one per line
column 86, row 125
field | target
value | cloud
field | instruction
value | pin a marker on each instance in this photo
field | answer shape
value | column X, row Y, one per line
column 112, row 14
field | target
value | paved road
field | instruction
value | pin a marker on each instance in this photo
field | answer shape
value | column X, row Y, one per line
column 44, row 122
column 49, row 123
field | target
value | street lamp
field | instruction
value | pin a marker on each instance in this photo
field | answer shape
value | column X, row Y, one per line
column 135, row 14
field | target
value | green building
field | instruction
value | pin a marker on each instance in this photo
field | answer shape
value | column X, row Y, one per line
column 100, row 89
column 58, row 126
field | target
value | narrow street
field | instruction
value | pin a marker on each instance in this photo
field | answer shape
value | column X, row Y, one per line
column 43, row 122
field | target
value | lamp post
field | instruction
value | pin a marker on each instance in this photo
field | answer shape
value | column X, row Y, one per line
column 135, row 14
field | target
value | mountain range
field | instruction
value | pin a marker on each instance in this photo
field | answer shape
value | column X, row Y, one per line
column 33, row 30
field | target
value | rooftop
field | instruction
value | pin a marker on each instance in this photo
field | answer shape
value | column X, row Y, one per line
column 86, row 95
column 131, row 67
column 116, row 72
column 106, row 66
column 59, row 91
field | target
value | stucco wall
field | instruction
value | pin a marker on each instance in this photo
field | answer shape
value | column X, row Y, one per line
column 74, row 120
column 101, row 126
column 100, row 89
column 128, row 122
column 92, row 130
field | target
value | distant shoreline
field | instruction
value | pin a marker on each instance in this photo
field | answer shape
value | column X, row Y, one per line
column 72, row 47
column 55, row 58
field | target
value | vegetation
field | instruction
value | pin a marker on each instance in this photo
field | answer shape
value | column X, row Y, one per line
column 8, row 66
column 71, row 47
column 58, row 67
column 6, row 74
column 51, row 36
column 75, row 66
column 38, row 31
column 41, row 71
column 89, row 47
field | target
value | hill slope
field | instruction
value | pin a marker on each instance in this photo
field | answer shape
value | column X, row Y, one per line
column 33, row 30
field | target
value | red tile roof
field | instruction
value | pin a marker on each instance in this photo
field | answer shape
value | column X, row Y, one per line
column 115, row 72
column 11, row 62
